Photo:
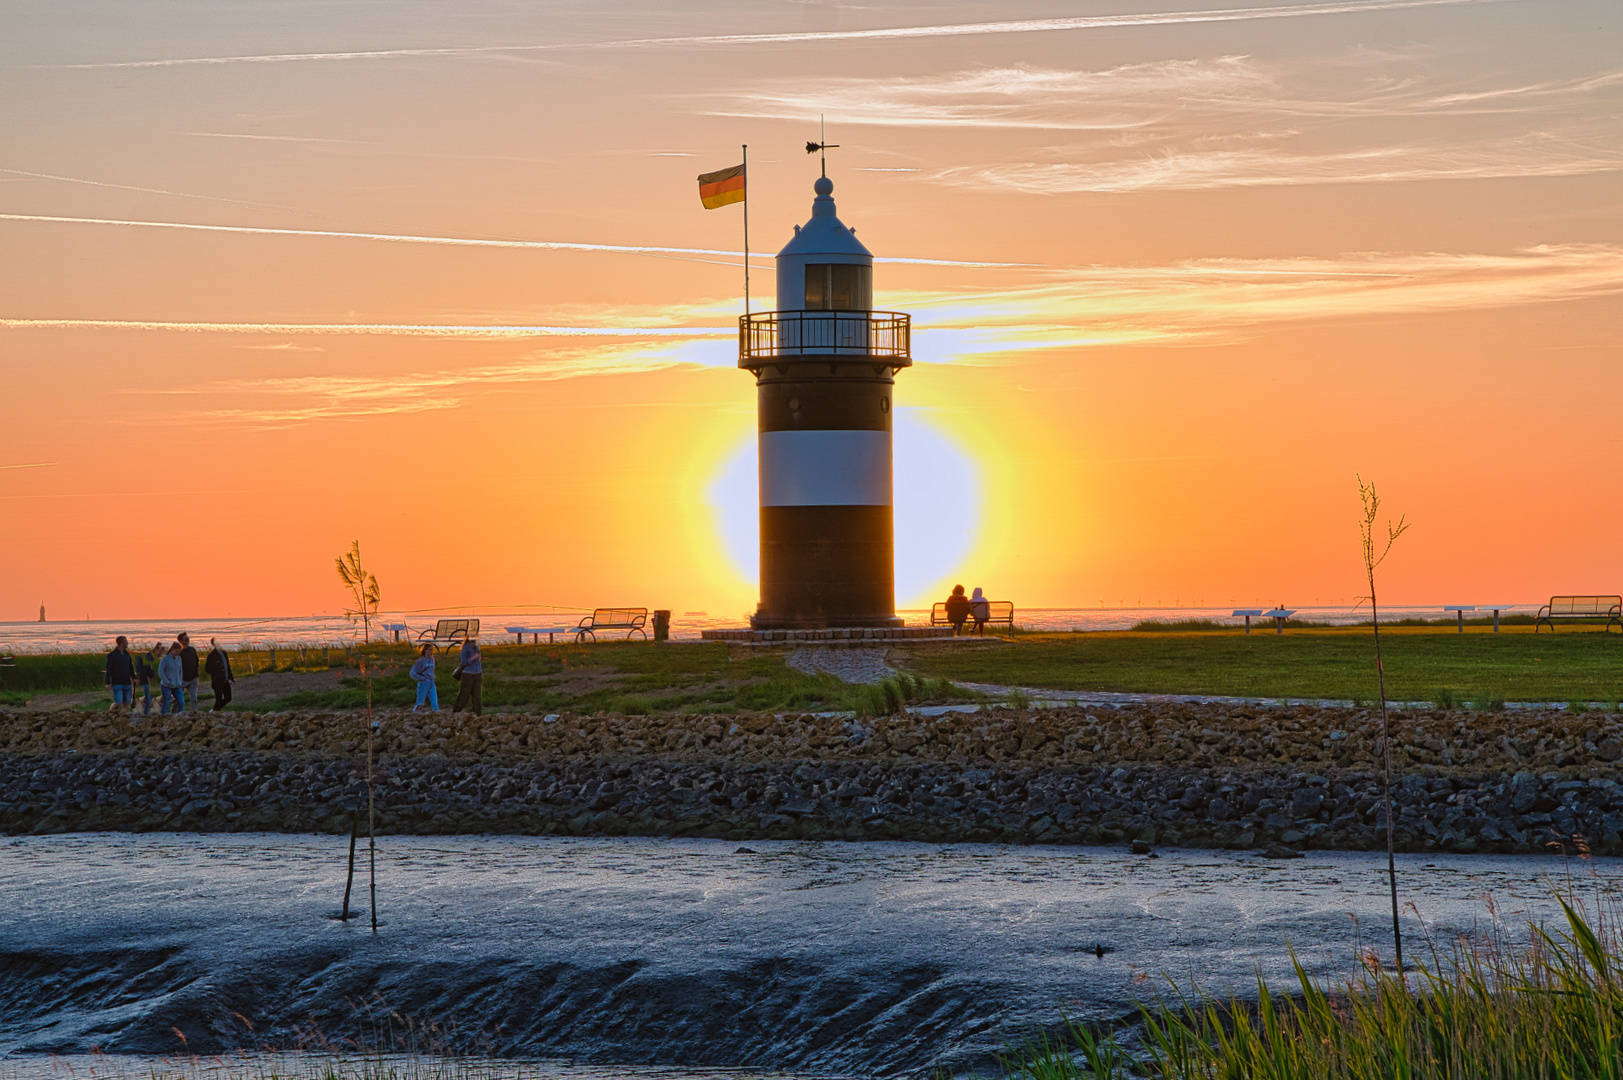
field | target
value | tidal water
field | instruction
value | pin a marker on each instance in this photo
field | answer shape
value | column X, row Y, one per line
column 89, row 635
column 864, row 959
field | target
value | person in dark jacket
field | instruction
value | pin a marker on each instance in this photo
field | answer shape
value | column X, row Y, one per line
column 188, row 670
column 119, row 675
column 958, row 607
column 470, row 674
column 146, row 670
column 218, row 666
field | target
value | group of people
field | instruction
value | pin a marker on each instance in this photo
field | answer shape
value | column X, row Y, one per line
column 469, row 674
column 961, row 609
column 175, row 669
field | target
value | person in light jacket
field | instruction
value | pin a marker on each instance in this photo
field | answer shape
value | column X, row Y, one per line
column 171, row 681
column 422, row 673
column 980, row 609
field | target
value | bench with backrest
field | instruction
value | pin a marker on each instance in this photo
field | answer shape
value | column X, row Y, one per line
column 450, row 632
column 1608, row 608
column 629, row 619
column 1000, row 613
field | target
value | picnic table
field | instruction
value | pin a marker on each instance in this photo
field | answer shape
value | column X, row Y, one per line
column 537, row 631
column 1279, row 615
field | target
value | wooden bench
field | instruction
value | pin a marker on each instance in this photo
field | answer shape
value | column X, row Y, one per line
column 450, row 632
column 1609, row 608
column 631, row 620
column 1001, row 612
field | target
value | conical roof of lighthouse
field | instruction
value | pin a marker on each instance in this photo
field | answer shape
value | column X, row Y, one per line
column 825, row 233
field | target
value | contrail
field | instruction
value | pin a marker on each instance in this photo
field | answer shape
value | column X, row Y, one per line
column 454, row 241
column 1023, row 26
column 31, row 465
column 147, row 190
column 392, row 329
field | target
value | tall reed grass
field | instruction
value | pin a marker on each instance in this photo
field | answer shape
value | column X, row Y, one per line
column 1484, row 1010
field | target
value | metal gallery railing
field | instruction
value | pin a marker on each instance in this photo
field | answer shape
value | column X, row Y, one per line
column 768, row 335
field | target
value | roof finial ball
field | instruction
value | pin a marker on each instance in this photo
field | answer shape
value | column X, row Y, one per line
column 823, row 186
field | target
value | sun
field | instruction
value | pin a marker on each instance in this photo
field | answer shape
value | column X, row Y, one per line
column 938, row 504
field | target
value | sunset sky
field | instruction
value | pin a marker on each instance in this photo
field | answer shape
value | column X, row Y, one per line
column 277, row 276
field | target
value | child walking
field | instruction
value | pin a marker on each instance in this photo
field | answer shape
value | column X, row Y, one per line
column 423, row 673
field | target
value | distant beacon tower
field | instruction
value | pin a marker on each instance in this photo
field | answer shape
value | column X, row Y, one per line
column 825, row 364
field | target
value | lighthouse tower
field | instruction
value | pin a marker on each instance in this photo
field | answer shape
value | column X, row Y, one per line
column 825, row 365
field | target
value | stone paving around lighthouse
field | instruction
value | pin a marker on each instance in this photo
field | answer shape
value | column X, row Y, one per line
column 847, row 665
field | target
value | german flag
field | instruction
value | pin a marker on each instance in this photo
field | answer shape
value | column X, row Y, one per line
column 720, row 188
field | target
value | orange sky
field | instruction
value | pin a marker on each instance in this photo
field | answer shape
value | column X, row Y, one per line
column 1198, row 266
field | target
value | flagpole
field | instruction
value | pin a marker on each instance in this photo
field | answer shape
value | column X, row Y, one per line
column 746, row 228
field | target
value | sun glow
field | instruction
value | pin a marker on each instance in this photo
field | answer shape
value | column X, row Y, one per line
column 938, row 492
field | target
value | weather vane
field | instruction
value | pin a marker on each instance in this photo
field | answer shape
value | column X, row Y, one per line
column 820, row 146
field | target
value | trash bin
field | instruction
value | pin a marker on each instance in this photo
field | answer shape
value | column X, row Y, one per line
column 662, row 625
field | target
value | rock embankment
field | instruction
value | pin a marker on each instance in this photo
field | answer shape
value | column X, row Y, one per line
column 1194, row 775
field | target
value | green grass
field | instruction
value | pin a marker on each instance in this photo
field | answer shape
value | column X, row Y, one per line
column 63, row 673
column 630, row 677
column 1421, row 664
column 1552, row 1010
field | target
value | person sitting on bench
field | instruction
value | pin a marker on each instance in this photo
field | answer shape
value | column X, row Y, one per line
column 958, row 608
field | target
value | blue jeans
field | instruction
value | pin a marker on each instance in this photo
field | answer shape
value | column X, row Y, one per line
column 190, row 694
column 427, row 691
column 122, row 695
column 146, row 698
column 174, row 700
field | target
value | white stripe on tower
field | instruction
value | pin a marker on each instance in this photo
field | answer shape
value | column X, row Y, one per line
column 825, row 468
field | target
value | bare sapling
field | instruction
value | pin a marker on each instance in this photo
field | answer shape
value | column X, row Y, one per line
column 1372, row 562
column 363, row 587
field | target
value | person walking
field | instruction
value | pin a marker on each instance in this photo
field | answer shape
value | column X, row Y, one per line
column 422, row 673
column 146, row 670
column 188, row 669
column 218, row 666
column 119, row 675
column 171, row 684
column 470, row 669
column 980, row 609
column 957, row 609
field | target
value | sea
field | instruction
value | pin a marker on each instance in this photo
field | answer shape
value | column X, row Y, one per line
column 90, row 635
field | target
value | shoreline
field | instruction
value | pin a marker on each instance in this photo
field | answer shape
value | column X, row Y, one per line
column 1212, row 776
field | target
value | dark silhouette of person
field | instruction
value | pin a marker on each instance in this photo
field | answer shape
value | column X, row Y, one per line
column 218, row 666
column 119, row 675
column 471, row 680
column 957, row 609
column 188, row 671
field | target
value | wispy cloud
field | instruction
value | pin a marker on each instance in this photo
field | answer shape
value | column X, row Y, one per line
column 1197, row 302
column 1216, row 300
column 451, row 241
column 1542, row 154
column 145, row 190
column 899, row 33
column 1174, row 97
column 1232, row 121
column 295, row 400
column 427, row 330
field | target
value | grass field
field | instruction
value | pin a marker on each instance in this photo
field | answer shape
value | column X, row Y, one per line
column 1432, row 664
column 627, row 677
column 1422, row 664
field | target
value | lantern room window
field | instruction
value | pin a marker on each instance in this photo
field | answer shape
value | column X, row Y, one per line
column 839, row 287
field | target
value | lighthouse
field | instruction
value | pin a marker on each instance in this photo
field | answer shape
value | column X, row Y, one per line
column 825, row 366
